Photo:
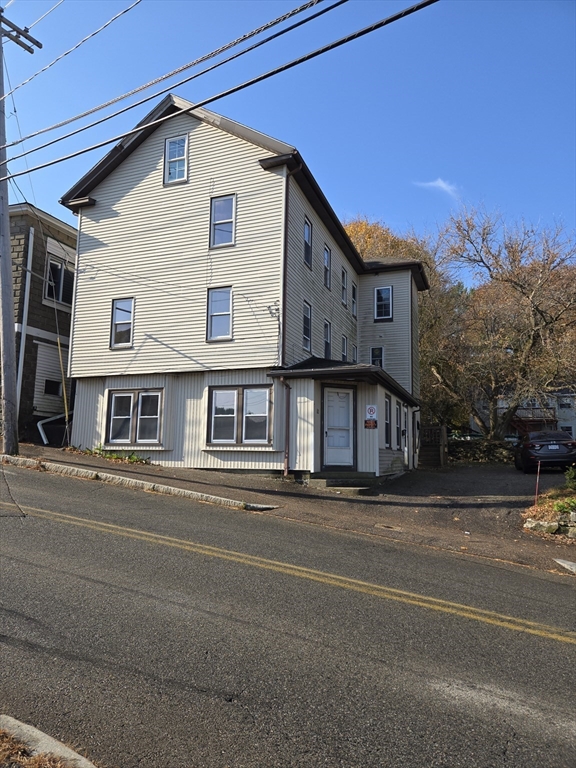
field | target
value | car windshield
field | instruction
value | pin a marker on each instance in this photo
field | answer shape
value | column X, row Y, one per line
column 549, row 436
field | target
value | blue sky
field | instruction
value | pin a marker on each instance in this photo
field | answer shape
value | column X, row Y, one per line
column 466, row 101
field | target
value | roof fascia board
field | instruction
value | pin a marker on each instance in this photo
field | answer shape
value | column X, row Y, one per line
column 373, row 372
column 47, row 218
column 170, row 104
column 416, row 267
column 306, row 181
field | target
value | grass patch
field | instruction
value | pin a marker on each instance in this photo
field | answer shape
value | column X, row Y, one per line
column 551, row 504
column 120, row 457
column 15, row 754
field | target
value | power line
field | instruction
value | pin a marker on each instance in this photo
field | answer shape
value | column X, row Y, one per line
column 74, row 48
column 178, row 84
column 174, row 72
column 46, row 14
column 260, row 78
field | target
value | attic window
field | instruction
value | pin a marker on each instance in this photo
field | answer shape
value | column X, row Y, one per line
column 175, row 165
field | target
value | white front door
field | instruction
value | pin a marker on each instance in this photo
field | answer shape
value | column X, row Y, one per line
column 338, row 428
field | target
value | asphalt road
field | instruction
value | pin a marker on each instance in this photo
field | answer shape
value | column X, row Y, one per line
column 151, row 631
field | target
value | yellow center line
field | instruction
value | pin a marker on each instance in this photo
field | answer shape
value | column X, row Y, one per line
column 321, row 577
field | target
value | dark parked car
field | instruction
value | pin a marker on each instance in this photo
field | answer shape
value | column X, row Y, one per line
column 551, row 449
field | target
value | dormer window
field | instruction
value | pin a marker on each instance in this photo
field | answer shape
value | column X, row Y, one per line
column 175, row 160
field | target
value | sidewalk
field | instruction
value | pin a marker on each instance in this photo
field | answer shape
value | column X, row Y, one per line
column 474, row 511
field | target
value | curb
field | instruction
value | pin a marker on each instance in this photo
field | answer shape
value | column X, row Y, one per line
column 128, row 482
column 40, row 743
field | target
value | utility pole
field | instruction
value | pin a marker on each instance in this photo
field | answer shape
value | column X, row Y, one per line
column 9, row 398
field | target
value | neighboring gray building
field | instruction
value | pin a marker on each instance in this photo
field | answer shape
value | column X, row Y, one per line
column 223, row 318
column 43, row 262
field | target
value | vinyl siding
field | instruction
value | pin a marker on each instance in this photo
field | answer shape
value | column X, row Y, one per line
column 394, row 336
column 302, row 424
column 184, row 419
column 48, row 368
column 305, row 284
column 151, row 242
column 415, row 343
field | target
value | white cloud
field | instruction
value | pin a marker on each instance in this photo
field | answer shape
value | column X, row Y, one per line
column 443, row 186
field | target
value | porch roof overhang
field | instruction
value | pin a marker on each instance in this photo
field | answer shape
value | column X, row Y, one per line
column 331, row 370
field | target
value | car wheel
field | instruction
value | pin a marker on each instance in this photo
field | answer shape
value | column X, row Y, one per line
column 517, row 463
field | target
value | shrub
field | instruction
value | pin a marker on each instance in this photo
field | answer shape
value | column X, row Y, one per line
column 570, row 476
column 565, row 507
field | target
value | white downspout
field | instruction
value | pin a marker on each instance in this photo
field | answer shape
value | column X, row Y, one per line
column 24, row 319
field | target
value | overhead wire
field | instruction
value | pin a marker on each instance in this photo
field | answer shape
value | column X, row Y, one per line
column 179, row 83
column 46, row 279
column 235, row 89
column 70, row 50
column 45, row 14
column 174, row 72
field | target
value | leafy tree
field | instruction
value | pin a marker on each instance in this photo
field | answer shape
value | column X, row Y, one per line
column 485, row 349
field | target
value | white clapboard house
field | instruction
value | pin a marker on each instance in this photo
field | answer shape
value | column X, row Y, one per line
column 223, row 319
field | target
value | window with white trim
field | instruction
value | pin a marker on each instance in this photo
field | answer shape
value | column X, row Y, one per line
column 383, row 303
column 134, row 417
column 398, row 426
column 59, row 284
column 354, row 353
column 239, row 416
column 122, row 323
column 307, row 327
column 222, row 215
column 219, row 314
column 387, row 424
column 327, row 267
column 377, row 356
column 354, row 300
column 344, row 287
column 308, row 243
column 344, row 349
column 175, row 159
column 327, row 339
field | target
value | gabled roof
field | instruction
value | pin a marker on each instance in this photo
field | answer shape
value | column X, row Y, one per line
column 285, row 155
column 79, row 195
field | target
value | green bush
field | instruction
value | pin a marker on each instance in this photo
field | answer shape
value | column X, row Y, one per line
column 570, row 476
column 565, row 507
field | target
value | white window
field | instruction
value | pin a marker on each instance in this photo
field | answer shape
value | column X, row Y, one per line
column 134, row 417
column 255, row 415
column 222, row 213
column 354, row 300
column 307, row 243
column 59, row 285
column 383, row 303
column 327, row 340
column 377, row 356
column 226, row 405
column 224, row 413
column 219, row 314
column 344, row 287
column 387, row 424
column 307, row 327
column 175, row 165
column 354, row 353
column 344, row 349
column 327, row 267
column 122, row 323
column 398, row 426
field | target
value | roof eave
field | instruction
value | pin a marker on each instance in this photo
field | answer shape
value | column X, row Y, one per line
column 370, row 374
